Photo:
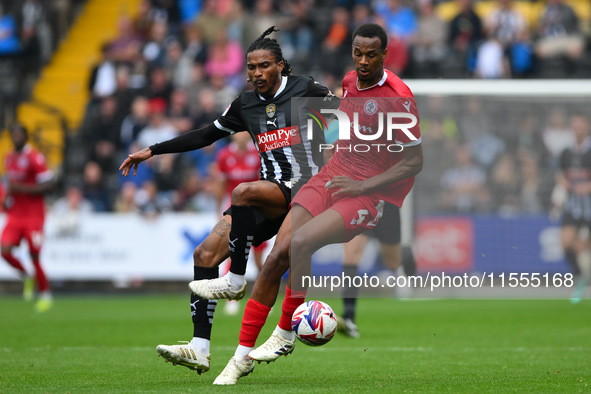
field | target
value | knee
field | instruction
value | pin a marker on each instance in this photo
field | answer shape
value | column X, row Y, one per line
column 6, row 251
column 244, row 194
column 301, row 247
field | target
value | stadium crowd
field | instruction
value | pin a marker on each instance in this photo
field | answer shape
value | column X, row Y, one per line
column 176, row 64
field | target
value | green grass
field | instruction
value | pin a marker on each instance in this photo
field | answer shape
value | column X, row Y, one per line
column 107, row 344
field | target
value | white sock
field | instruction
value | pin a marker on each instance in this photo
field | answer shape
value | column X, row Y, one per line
column 236, row 281
column 201, row 344
column 287, row 335
column 584, row 261
column 46, row 295
column 242, row 352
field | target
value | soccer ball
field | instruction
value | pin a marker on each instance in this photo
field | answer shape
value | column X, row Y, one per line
column 314, row 323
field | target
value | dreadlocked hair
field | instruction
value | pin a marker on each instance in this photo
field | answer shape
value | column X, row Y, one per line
column 271, row 45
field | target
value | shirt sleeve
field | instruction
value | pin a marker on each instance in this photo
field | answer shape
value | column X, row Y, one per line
column 231, row 120
column 317, row 90
column 409, row 115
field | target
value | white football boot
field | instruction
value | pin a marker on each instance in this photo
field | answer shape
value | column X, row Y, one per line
column 237, row 367
column 275, row 347
column 186, row 355
column 217, row 289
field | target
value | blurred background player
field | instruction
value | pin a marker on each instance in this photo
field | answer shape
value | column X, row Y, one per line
column 27, row 180
column 235, row 163
column 574, row 177
column 387, row 233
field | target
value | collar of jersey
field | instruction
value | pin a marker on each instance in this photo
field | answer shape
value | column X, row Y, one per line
column 281, row 88
column 26, row 149
column 384, row 77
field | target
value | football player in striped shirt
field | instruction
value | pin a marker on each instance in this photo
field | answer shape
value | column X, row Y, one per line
column 288, row 160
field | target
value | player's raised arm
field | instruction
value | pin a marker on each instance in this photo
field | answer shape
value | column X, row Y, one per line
column 191, row 140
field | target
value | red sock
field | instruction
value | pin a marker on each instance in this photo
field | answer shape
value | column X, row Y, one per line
column 255, row 316
column 290, row 303
column 13, row 261
column 42, row 282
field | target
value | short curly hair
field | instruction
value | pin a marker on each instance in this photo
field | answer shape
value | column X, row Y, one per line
column 371, row 30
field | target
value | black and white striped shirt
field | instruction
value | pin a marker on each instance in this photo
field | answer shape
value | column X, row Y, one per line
column 287, row 156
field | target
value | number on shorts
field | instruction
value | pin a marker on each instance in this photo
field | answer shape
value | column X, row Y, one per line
column 379, row 214
column 362, row 214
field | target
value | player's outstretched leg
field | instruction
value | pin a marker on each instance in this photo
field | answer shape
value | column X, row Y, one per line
column 28, row 281
column 237, row 367
column 45, row 300
column 208, row 255
column 282, row 341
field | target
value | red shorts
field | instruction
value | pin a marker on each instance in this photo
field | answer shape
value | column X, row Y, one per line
column 31, row 230
column 360, row 213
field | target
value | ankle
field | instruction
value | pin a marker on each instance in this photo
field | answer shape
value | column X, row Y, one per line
column 288, row 335
column 236, row 281
column 242, row 352
column 201, row 344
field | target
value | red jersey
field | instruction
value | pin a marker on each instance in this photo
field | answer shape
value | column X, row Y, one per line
column 238, row 167
column 26, row 167
column 361, row 159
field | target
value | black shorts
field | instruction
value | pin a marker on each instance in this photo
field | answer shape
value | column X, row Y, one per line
column 569, row 220
column 287, row 192
column 387, row 230
column 266, row 229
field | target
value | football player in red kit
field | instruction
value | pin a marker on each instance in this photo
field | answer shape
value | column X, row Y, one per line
column 27, row 180
column 344, row 199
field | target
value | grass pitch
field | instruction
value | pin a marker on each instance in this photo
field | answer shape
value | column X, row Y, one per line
column 107, row 344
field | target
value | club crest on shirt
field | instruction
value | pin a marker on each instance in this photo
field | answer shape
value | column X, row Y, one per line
column 371, row 107
column 270, row 110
